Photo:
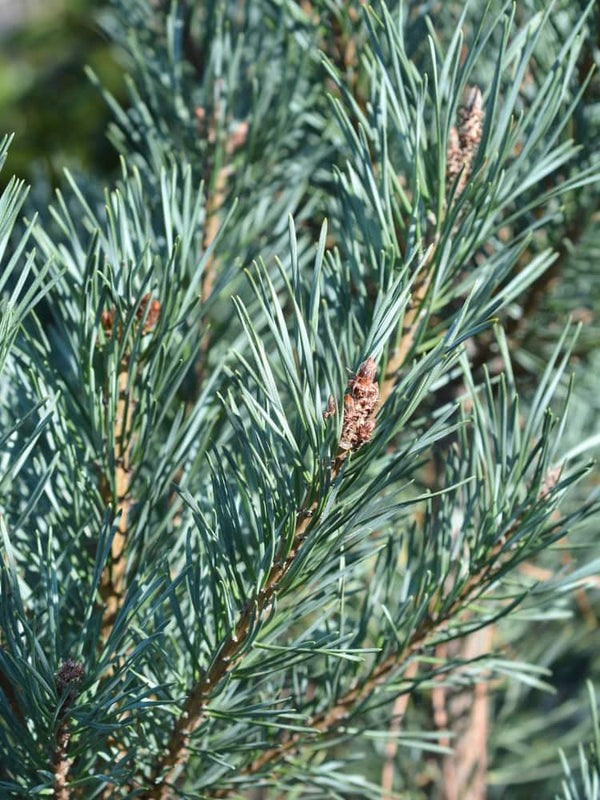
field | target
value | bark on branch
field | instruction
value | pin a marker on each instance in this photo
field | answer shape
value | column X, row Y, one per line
column 112, row 583
column 62, row 764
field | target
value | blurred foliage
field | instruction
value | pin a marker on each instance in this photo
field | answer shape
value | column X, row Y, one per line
column 46, row 100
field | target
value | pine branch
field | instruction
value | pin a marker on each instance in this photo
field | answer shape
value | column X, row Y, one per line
column 517, row 327
column 253, row 582
column 459, row 160
column 327, row 723
column 359, row 407
column 229, row 656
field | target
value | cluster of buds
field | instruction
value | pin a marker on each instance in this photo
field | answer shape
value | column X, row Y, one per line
column 360, row 403
column 68, row 676
column 464, row 139
column 147, row 318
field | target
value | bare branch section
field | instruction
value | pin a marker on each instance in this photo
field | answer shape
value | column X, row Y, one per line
column 465, row 713
column 113, row 575
column 62, row 764
column 357, row 425
column 391, row 747
column 112, row 584
column 216, row 180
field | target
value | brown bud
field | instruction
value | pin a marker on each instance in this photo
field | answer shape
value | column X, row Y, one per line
column 470, row 123
column 107, row 320
column 68, row 676
column 463, row 140
column 363, row 433
column 363, row 387
column 366, row 371
column 330, row 408
column 359, row 406
column 454, row 156
column 152, row 315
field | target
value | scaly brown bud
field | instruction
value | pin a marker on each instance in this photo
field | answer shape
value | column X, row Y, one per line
column 152, row 315
column 68, row 676
column 463, row 141
column 454, row 156
column 470, row 124
column 359, row 405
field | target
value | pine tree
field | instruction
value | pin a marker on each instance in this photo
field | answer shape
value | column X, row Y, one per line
column 298, row 413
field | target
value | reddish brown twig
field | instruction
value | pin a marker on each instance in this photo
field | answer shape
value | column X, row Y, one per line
column 410, row 327
column 391, row 747
column 62, row 763
column 113, row 575
column 112, row 583
column 465, row 713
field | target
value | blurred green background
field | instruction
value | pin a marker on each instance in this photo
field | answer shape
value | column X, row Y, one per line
column 59, row 119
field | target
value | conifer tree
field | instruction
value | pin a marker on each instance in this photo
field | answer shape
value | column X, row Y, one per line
column 298, row 413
